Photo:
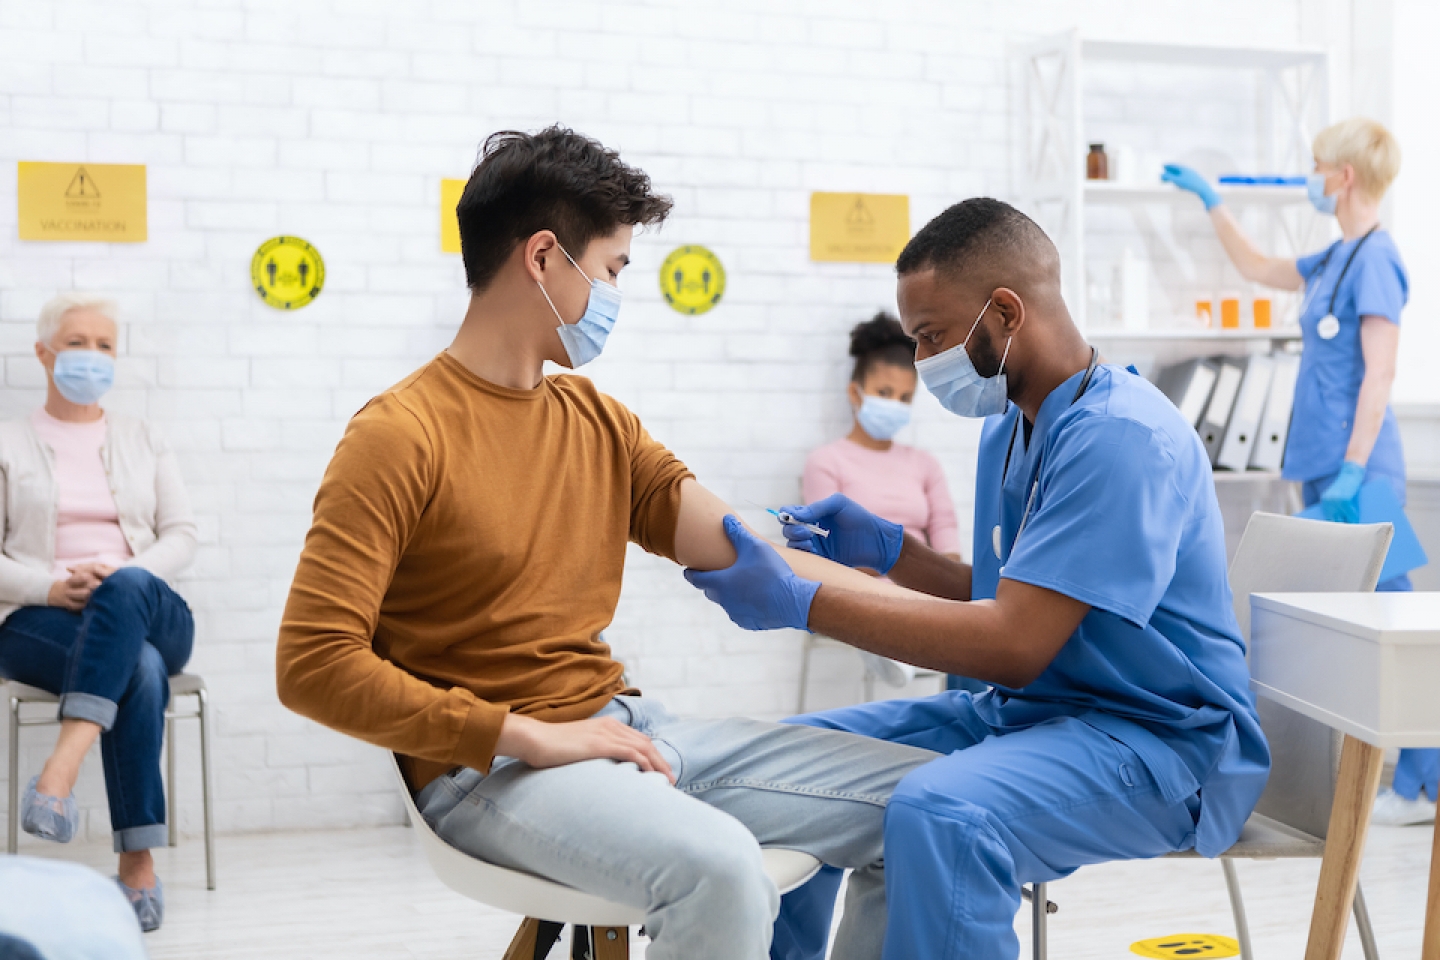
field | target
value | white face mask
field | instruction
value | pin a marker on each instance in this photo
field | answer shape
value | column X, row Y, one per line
column 951, row 376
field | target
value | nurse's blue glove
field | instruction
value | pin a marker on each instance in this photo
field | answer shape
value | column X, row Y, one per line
column 857, row 538
column 1187, row 178
column 1341, row 500
column 759, row 590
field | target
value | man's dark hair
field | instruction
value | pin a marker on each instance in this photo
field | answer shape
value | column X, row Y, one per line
column 979, row 231
column 555, row 180
column 881, row 339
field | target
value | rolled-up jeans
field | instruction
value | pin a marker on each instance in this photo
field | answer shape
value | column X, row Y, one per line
column 689, row 855
column 110, row 664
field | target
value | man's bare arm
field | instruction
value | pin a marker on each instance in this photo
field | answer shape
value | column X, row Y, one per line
column 701, row 544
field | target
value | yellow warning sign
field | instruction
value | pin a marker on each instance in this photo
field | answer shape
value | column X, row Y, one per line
column 858, row 227
column 103, row 202
column 1185, row 946
column 287, row 272
column 692, row 279
column 450, row 191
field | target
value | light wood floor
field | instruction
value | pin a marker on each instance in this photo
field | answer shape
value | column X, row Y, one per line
column 369, row 893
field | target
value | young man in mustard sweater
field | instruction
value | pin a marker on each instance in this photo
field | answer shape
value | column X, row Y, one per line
column 467, row 549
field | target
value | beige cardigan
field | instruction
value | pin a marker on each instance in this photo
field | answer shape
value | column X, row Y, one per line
column 150, row 497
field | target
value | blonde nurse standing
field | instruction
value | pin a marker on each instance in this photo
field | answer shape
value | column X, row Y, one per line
column 1342, row 431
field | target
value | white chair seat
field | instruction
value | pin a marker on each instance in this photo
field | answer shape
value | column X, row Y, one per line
column 1264, row 839
column 533, row 896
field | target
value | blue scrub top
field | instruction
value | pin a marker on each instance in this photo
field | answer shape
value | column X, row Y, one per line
column 1126, row 521
column 1328, row 388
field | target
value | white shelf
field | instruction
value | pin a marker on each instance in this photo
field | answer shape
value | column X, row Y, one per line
column 1245, row 476
column 1196, row 55
column 1109, row 191
column 1275, row 333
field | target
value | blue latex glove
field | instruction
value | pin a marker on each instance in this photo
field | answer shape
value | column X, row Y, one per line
column 759, row 590
column 1341, row 500
column 857, row 538
column 1188, row 179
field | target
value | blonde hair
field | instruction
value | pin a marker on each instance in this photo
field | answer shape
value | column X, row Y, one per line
column 57, row 306
column 1367, row 146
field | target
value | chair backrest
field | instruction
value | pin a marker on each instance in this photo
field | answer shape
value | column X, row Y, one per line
column 1286, row 554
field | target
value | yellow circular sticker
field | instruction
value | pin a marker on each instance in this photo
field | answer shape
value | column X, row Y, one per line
column 692, row 279
column 1183, row 946
column 287, row 272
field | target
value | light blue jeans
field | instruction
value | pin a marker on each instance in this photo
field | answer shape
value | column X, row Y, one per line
column 689, row 855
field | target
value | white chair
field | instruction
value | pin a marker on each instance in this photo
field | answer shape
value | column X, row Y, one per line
column 1286, row 554
column 181, row 685
column 548, row 906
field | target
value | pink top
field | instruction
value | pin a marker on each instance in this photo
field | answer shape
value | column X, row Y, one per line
column 904, row 485
column 87, row 525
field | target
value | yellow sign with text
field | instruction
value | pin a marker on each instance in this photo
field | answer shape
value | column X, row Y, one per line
column 287, row 272
column 450, row 191
column 858, row 227
column 100, row 202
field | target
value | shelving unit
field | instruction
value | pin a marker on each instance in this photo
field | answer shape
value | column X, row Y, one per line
column 1049, row 134
column 1050, row 137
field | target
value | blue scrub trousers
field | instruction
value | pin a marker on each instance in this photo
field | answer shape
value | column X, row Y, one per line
column 1003, row 807
column 1417, row 769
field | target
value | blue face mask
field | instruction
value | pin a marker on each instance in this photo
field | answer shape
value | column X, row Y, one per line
column 882, row 418
column 585, row 338
column 951, row 376
column 1315, row 188
column 83, row 376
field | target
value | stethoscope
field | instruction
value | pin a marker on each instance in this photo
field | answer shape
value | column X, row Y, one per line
column 1328, row 327
column 1034, row 477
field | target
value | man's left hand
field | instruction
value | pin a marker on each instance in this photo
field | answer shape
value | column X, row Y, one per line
column 759, row 591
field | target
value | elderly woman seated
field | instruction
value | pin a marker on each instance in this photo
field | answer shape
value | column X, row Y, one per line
column 95, row 519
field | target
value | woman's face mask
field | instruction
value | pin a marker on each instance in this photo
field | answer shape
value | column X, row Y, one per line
column 951, row 376
column 83, row 376
column 1315, row 190
column 585, row 338
column 881, row 417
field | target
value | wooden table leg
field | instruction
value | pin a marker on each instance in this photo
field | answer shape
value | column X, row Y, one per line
column 1355, row 787
column 1430, row 946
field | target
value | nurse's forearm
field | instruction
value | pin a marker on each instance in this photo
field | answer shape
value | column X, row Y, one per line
column 1009, row 640
column 829, row 573
column 938, row 574
column 1253, row 264
column 1379, row 344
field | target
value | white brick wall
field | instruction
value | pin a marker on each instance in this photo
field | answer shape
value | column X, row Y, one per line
column 337, row 120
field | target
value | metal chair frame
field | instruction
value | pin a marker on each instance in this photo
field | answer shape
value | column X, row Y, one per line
column 181, row 685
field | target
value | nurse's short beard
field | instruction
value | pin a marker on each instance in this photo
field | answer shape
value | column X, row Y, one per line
column 984, row 355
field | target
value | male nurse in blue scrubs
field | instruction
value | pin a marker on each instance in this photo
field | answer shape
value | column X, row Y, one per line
column 1121, row 724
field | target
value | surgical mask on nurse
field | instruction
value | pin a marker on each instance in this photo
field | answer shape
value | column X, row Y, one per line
column 585, row 338
column 952, row 377
column 1315, row 188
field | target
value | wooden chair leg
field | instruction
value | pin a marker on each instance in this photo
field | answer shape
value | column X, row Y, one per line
column 599, row 943
column 533, row 940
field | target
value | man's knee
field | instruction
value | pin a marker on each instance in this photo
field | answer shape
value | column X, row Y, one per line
column 722, row 869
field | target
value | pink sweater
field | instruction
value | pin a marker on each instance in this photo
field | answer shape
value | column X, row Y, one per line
column 904, row 485
column 87, row 525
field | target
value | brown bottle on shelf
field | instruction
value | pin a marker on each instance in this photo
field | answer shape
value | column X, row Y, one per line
column 1097, row 164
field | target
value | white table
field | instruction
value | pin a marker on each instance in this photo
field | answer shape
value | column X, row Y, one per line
column 1367, row 664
